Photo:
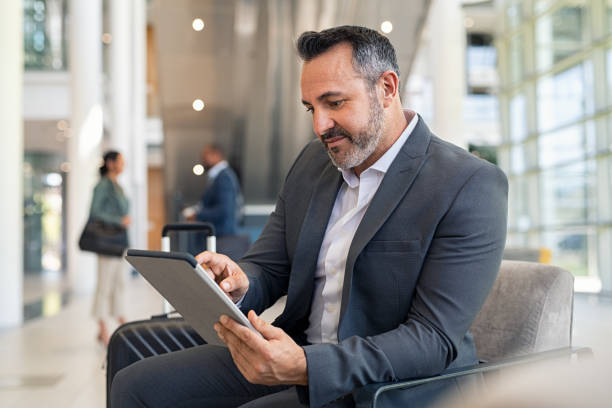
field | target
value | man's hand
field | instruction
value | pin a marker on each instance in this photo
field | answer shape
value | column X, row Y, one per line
column 232, row 280
column 273, row 359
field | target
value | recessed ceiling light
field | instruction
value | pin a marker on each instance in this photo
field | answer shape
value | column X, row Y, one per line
column 198, row 169
column 386, row 27
column 198, row 24
column 62, row 125
column 198, row 105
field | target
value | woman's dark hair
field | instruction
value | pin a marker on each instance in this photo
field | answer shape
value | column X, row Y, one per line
column 373, row 53
column 110, row 155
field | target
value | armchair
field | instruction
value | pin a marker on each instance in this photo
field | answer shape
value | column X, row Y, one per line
column 526, row 318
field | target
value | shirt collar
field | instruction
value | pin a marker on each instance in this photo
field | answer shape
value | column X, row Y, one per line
column 216, row 169
column 383, row 164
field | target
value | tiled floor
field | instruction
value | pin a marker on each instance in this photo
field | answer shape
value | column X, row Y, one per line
column 62, row 346
column 56, row 362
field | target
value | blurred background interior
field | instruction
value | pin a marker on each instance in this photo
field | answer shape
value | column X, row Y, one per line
column 524, row 84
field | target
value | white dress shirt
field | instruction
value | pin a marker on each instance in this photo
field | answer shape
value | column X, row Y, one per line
column 351, row 203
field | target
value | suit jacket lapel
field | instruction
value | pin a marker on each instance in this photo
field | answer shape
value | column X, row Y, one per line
column 392, row 189
column 301, row 284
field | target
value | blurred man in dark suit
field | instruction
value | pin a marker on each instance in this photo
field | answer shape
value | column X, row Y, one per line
column 220, row 203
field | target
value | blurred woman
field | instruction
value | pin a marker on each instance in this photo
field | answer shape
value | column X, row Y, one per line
column 109, row 204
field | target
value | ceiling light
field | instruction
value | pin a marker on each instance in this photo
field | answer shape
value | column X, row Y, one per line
column 198, row 105
column 198, row 169
column 62, row 125
column 198, row 24
column 386, row 27
column 53, row 180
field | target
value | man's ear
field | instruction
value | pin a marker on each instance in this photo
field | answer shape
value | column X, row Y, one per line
column 389, row 81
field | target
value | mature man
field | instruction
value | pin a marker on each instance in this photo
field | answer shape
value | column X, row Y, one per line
column 386, row 254
column 220, row 201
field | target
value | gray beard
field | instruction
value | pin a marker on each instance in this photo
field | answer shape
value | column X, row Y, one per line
column 363, row 144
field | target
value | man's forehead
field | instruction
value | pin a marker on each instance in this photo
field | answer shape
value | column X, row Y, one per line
column 328, row 72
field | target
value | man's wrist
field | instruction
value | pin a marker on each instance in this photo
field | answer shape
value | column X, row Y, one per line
column 239, row 301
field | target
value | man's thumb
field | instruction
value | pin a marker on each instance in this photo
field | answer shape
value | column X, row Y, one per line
column 265, row 328
column 228, row 284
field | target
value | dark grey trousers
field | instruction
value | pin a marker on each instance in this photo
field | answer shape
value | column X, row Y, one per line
column 206, row 376
column 203, row 376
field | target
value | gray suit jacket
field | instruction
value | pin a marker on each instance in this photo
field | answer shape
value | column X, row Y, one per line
column 419, row 268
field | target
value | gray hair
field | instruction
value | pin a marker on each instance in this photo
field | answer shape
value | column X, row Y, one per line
column 373, row 53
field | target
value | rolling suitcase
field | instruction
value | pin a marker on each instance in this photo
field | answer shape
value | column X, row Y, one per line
column 135, row 341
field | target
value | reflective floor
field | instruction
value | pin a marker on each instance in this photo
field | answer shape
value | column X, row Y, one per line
column 56, row 362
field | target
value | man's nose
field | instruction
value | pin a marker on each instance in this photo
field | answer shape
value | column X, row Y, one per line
column 322, row 123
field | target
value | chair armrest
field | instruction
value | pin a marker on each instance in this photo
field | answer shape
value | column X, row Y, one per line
column 368, row 395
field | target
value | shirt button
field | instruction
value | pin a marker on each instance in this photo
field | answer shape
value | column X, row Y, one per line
column 331, row 309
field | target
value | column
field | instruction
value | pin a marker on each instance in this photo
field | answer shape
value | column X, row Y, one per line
column 11, row 165
column 120, row 86
column 139, row 213
column 447, row 69
column 86, row 123
column 128, row 107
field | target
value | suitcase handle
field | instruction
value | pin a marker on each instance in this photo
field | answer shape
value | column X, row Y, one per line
column 165, row 315
column 190, row 226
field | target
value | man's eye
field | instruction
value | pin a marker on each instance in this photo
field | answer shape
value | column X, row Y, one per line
column 336, row 103
column 309, row 109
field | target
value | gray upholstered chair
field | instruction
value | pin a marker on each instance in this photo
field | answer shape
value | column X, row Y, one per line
column 527, row 317
column 528, row 310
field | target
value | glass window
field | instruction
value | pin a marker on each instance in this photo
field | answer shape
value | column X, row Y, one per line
column 523, row 157
column 607, row 144
column 42, row 213
column 514, row 14
column 570, row 250
column 609, row 75
column 518, row 118
column 503, row 157
column 481, row 64
column 481, row 108
column 609, row 16
column 565, row 97
column 567, row 194
column 44, row 34
column 518, row 199
column 560, row 34
column 516, row 240
column 516, row 58
column 562, row 146
column 540, row 6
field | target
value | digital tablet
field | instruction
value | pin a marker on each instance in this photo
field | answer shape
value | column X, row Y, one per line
column 185, row 284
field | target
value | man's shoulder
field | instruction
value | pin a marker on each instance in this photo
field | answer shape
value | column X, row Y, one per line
column 227, row 172
column 451, row 159
column 226, row 177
